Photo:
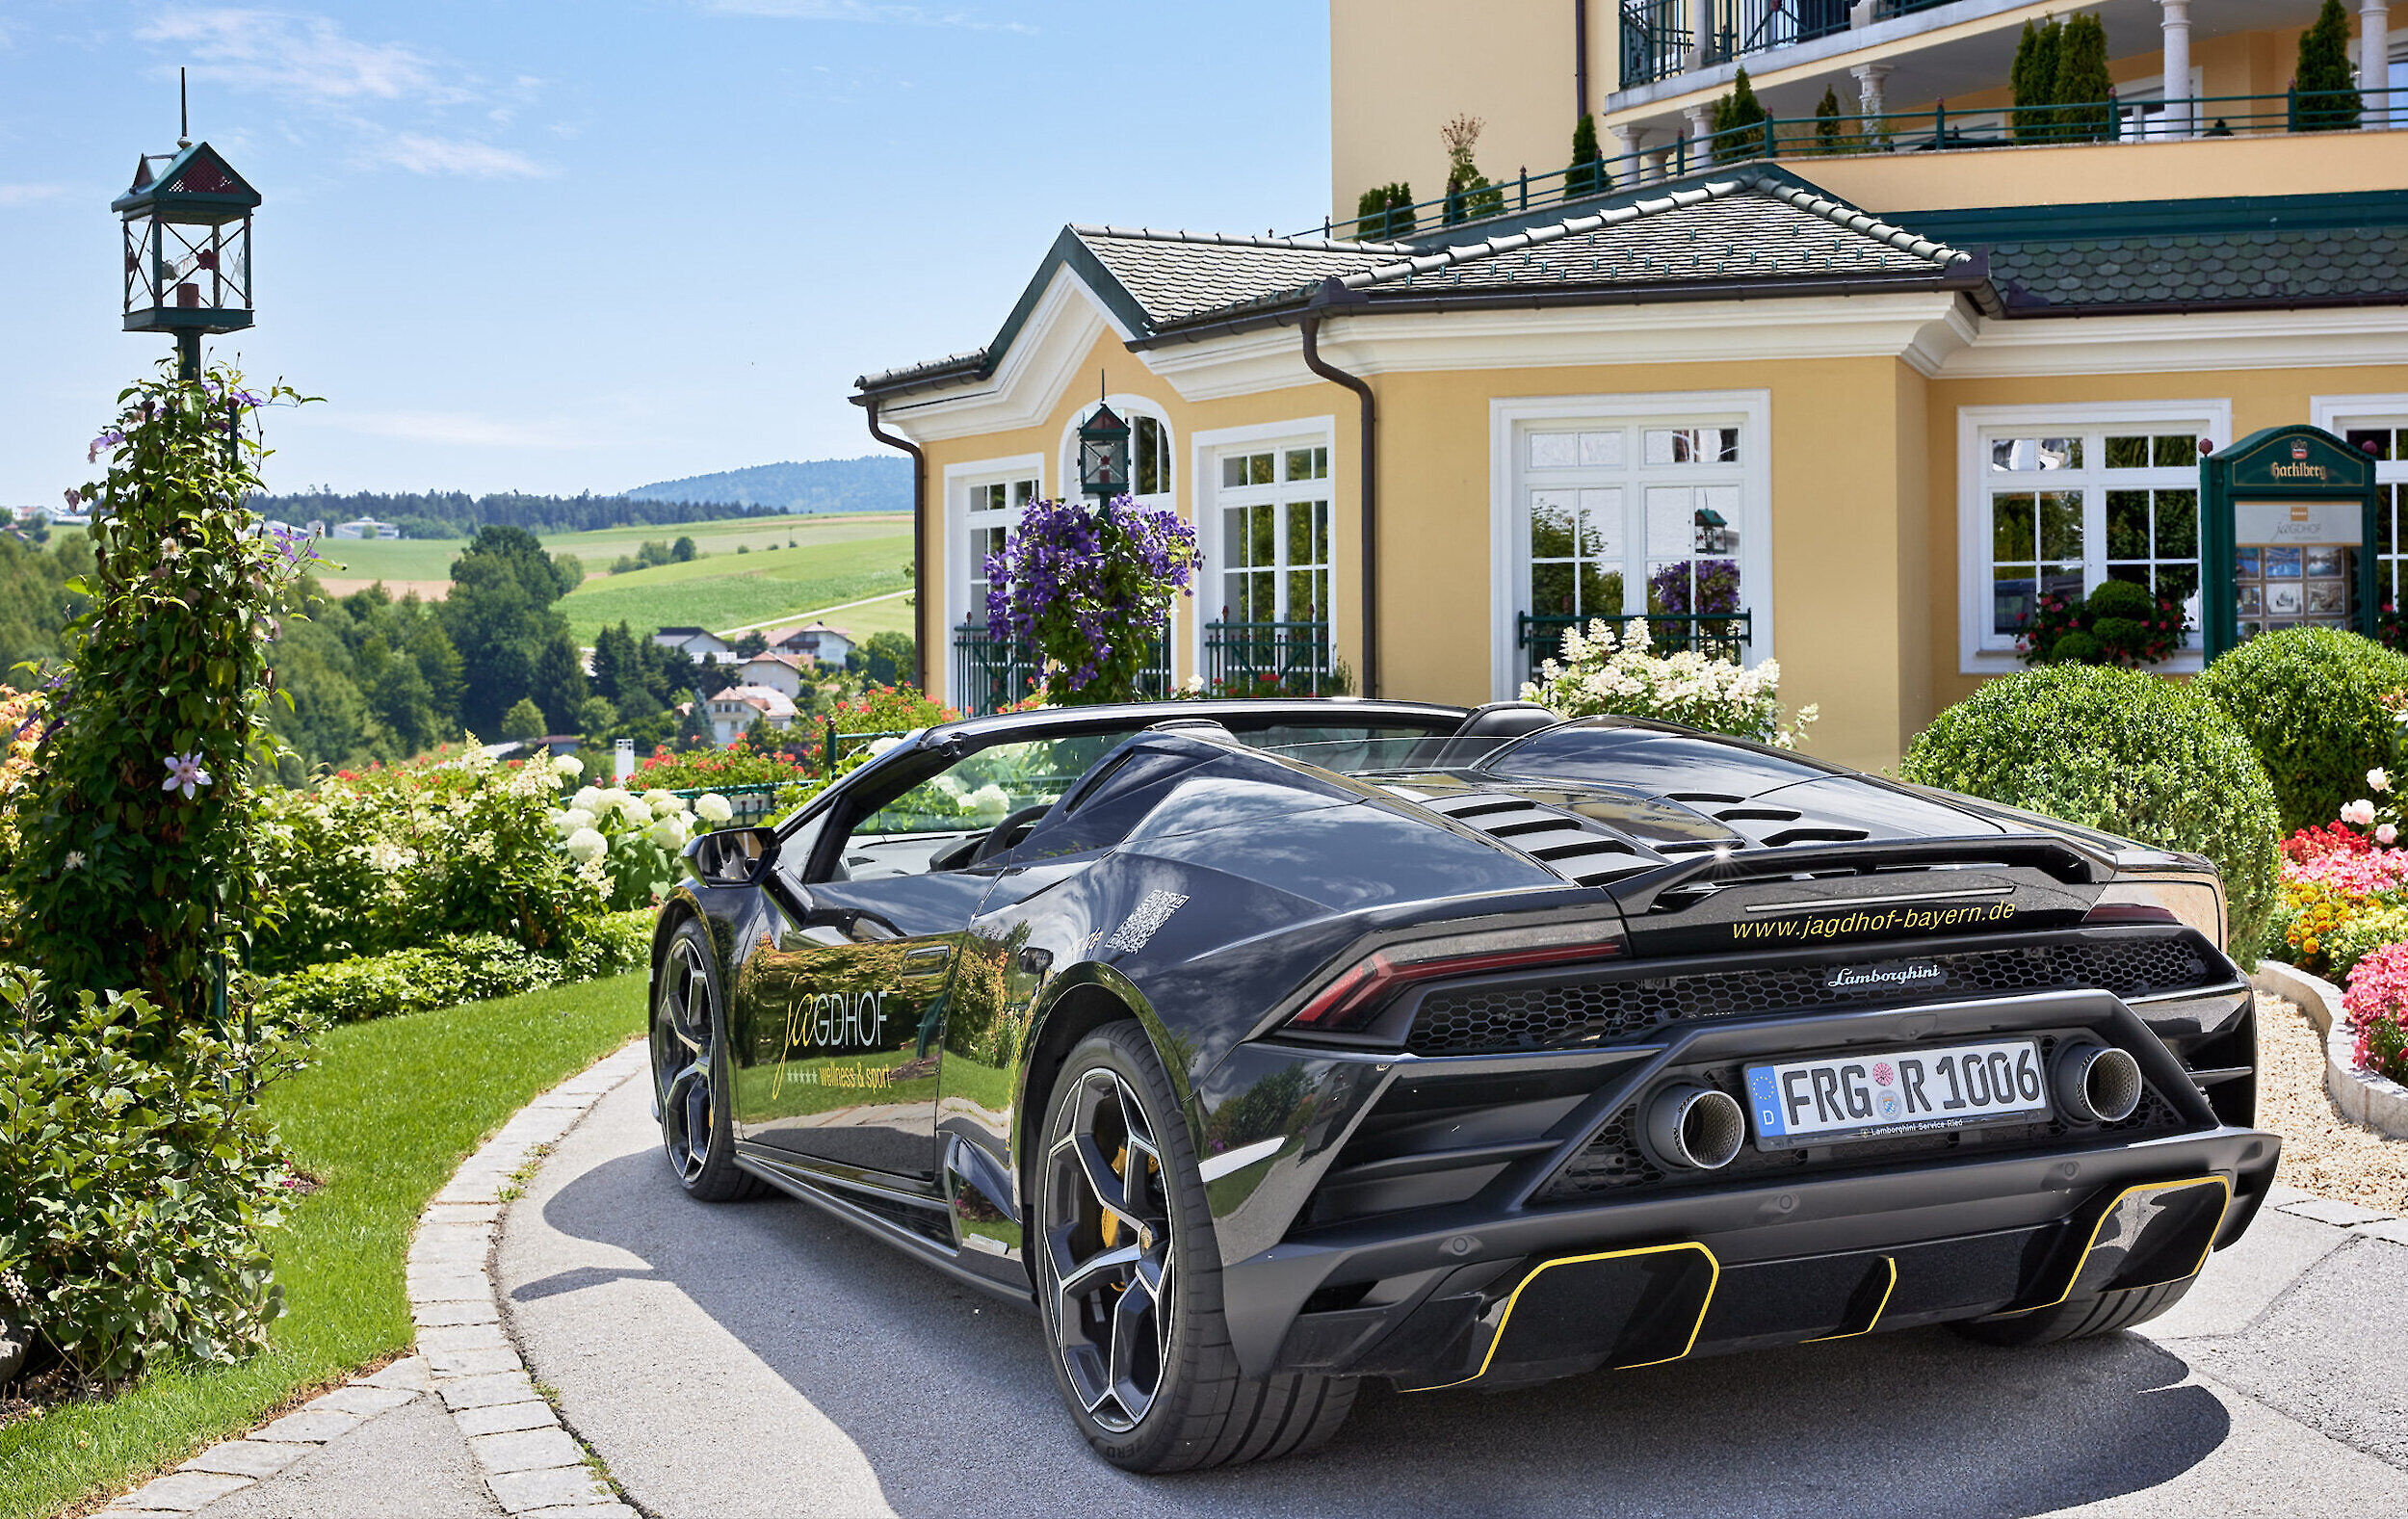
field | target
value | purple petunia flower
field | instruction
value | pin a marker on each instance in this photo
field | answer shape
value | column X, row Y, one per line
column 184, row 772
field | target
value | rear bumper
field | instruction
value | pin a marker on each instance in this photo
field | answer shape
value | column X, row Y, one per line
column 1526, row 1296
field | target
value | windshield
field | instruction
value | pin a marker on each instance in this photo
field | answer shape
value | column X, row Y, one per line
column 1390, row 754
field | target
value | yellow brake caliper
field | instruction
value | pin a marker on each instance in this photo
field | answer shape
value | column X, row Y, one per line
column 1111, row 1221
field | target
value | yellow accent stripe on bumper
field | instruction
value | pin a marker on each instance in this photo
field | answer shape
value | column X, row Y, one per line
column 2108, row 1212
column 1889, row 1261
column 1713, row 1266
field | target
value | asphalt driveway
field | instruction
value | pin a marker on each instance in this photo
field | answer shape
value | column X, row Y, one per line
column 763, row 1359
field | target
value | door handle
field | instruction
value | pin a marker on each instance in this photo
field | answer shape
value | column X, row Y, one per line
column 926, row 959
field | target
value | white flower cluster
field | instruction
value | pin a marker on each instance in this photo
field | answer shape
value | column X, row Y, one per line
column 989, row 800
column 1603, row 673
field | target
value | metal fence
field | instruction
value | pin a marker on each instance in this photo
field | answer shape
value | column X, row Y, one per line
column 991, row 673
column 1252, row 659
column 1716, row 635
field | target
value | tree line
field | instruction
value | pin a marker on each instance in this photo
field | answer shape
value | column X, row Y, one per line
column 458, row 514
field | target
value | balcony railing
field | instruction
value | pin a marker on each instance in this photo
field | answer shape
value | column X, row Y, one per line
column 1900, row 132
column 1716, row 635
column 990, row 674
column 1656, row 34
column 1262, row 659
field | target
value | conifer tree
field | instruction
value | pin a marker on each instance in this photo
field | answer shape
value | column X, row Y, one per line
column 2324, row 93
column 1734, row 114
column 2084, row 91
column 1830, row 137
column 2034, row 80
column 1587, row 175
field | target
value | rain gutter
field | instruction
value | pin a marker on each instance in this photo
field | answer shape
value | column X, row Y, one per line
column 1333, row 297
column 919, row 536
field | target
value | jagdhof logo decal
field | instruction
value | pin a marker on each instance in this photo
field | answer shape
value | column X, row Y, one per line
column 837, row 1020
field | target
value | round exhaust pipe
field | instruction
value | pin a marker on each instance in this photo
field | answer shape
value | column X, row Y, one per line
column 2095, row 1083
column 1695, row 1128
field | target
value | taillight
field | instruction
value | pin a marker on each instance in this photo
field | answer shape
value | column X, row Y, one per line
column 1355, row 994
column 2185, row 900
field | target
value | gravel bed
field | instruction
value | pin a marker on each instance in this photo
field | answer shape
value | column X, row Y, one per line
column 2322, row 1152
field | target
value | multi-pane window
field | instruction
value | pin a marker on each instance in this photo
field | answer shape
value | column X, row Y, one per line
column 2388, row 446
column 2067, row 508
column 1605, row 508
column 992, row 509
column 1149, row 457
column 1275, row 535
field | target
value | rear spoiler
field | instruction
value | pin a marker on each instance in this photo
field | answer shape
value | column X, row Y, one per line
column 2060, row 858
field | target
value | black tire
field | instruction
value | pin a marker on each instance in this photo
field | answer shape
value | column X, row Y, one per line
column 1200, row 1411
column 689, row 1071
column 2080, row 1318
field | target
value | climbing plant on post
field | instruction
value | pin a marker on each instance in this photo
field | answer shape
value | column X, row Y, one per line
column 137, row 827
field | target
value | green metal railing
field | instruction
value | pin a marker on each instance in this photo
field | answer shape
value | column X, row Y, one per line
column 1718, row 634
column 1890, row 132
column 991, row 673
column 1254, row 658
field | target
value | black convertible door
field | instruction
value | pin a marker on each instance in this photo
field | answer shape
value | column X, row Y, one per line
column 845, row 1005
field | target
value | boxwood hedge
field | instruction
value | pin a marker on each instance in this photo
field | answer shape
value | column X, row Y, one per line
column 2311, row 701
column 2123, row 751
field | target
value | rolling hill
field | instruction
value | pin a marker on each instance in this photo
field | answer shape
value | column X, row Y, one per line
column 872, row 483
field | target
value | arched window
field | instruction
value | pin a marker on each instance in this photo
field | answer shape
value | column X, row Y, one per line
column 1150, row 472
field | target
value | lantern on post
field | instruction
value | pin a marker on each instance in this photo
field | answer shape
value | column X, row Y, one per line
column 187, row 248
column 1103, row 455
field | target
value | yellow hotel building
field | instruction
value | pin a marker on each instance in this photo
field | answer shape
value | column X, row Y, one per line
column 1845, row 400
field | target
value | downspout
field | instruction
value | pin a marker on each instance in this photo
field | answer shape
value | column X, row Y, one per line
column 919, row 541
column 1579, row 59
column 1332, row 293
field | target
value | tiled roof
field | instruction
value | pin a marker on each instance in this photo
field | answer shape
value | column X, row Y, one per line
column 2073, row 276
column 1178, row 276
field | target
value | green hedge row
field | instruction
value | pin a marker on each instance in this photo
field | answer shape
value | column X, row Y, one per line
column 472, row 968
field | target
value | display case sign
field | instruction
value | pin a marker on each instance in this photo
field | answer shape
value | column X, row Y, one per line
column 2287, row 515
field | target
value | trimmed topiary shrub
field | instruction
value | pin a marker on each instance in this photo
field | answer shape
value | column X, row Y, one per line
column 2129, row 753
column 2313, row 703
column 2324, row 93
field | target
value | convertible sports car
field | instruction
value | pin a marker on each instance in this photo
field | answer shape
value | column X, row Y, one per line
column 1271, row 1045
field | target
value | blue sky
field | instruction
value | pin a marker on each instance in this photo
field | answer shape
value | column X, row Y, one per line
column 556, row 247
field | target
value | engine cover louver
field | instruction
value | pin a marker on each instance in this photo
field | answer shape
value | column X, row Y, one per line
column 1578, row 849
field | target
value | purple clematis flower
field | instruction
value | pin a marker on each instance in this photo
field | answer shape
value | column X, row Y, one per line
column 184, row 772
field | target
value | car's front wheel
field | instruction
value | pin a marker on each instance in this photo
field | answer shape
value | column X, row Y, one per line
column 1129, row 1281
column 689, row 1071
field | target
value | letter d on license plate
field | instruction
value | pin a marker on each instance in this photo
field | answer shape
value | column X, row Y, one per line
column 1902, row 1092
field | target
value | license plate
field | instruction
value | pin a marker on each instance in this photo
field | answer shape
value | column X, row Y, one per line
column 1902, row 1091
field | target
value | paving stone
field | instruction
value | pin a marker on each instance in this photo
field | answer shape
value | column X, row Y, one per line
column 410, row 1373
column 246, row 1458
column 498, row 1418
column 479, row 1392
column 437, row 1315
column 552, row 1488
column 481, row 1362
column 474, row 1214
column 609, row 1510
column 2332, row 1210
column 309, row 1426
column 2393, row 1230
column 526, row 1449
column 463, row 1337
column 448, row 1287
column 360, row 1399
column 182, row 1492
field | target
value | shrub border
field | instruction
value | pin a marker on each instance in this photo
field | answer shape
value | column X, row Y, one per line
column 2363, row 1097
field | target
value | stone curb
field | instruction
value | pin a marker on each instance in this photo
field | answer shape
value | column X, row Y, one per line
column 530, row 1463
column 2363, row 1097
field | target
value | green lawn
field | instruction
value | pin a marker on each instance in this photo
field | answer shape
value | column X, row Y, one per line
column 385, row 1115
column 431, row 559
column 730, row 589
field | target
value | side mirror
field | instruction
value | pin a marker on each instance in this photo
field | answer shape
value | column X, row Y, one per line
column 733, row 857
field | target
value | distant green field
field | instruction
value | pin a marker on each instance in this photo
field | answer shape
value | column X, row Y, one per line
column 431, row 559
column 731, row 589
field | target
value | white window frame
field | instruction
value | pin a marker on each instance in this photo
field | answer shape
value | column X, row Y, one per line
column 960, row 481
column 1511, row 418
column 1206, row 450
column 2336, row 415
column 1980, row 650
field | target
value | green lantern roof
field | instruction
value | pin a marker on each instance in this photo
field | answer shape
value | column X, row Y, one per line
column 197, row 185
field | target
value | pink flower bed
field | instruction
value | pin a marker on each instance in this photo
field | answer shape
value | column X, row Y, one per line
column 2376, row 1003
column 2360, row 872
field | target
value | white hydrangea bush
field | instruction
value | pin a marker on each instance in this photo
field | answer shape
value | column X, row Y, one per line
column 1603, row 672
column 637, row 842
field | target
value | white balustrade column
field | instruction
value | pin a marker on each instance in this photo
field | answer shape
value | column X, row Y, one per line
column 1701, row 127
column 1634, row 150
column 2374, row 62
column 1870, row 78
column 2180, row 120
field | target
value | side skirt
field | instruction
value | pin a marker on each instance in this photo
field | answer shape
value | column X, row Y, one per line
column 832, row 1197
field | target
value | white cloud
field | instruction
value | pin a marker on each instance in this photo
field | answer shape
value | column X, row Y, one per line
column 421, row 154
column 873, row 12
column 29, row 195
column 303, row 57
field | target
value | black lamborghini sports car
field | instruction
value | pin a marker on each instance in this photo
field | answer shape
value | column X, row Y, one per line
column 1272, row 1045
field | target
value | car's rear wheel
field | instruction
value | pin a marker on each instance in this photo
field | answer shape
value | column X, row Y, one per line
column 689, row 1071
column 2078, row 1318
column 1129, row 1281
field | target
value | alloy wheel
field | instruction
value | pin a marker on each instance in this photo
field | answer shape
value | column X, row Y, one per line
column 684, row 1066
column 1108, row 1251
